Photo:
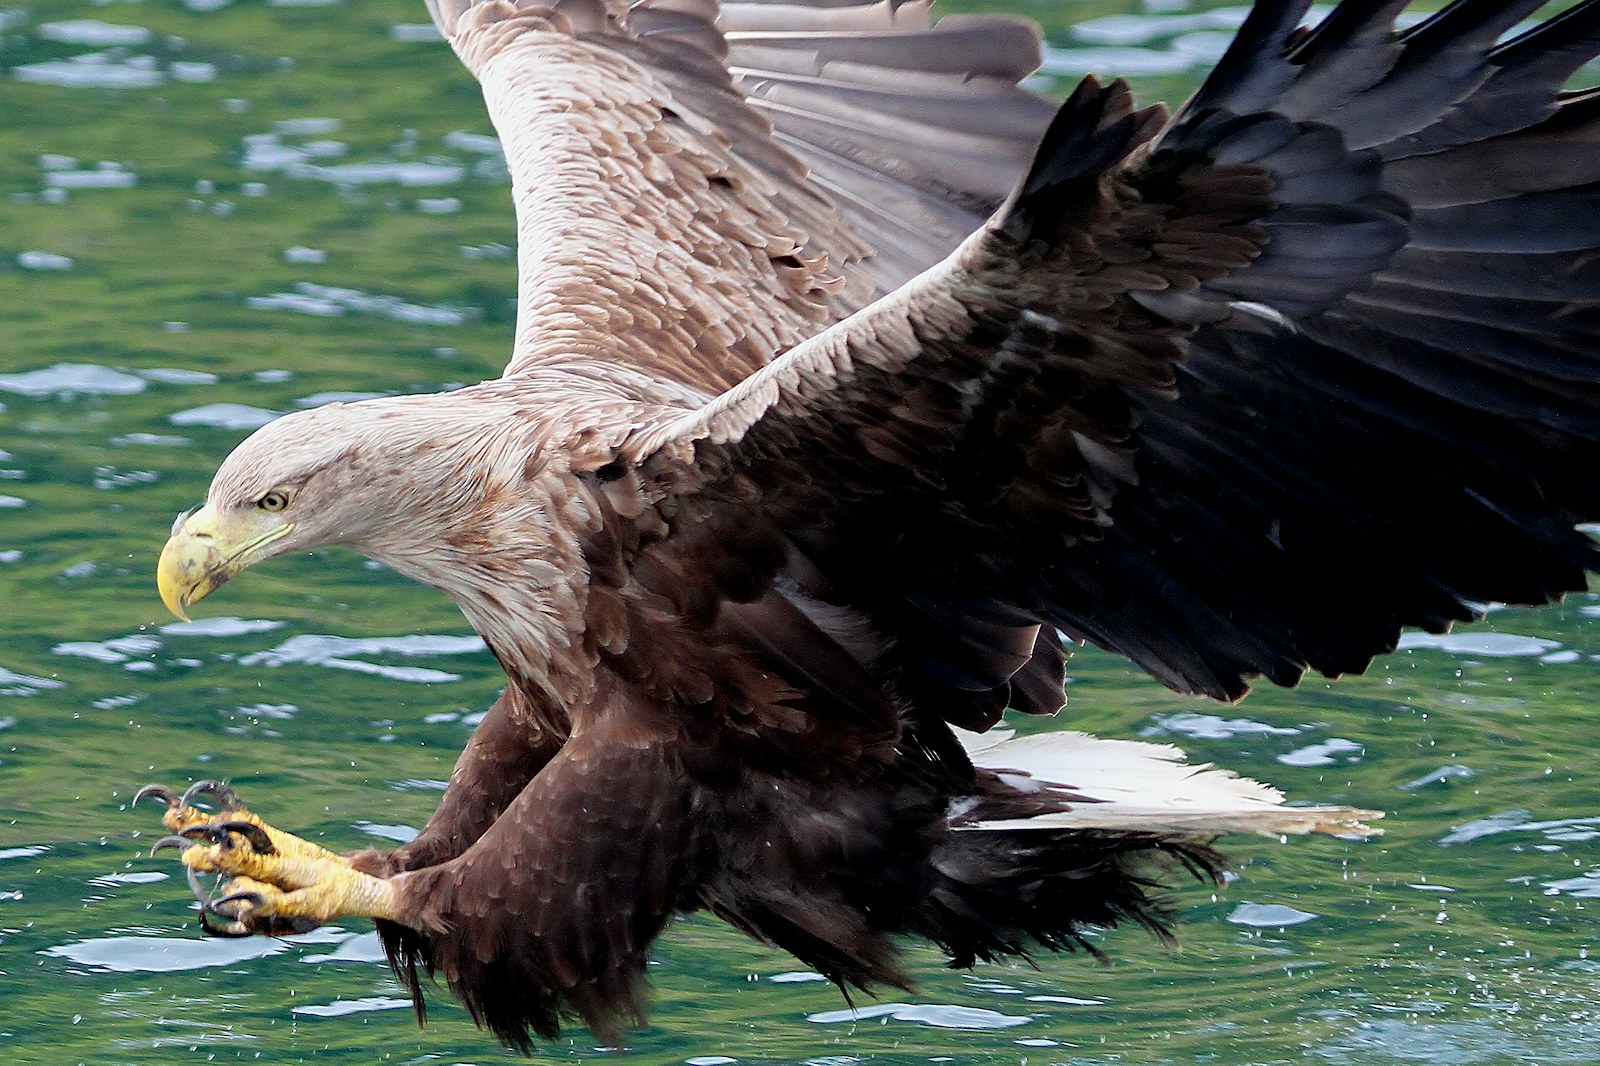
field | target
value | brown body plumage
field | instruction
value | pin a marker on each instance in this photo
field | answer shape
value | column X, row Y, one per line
column 800, row 464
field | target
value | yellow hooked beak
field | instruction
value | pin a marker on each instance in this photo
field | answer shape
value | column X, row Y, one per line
column 207, row 548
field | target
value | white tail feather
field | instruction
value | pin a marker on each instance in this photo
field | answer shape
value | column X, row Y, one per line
column 1133, row 785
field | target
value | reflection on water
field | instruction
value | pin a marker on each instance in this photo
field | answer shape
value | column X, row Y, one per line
column 280, row 205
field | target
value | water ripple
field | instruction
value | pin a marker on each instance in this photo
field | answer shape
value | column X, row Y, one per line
column 1520, row 821
column 224, row 626
column 116, row 650
column 400, row 834
column 364, row 947
column 1321, row 754
column 318, row 649
column 1268, row 915
column 223, row 416
column 938, row 1015
column 36, row 260
column 15, row 684
column 104, row 176
column 163, row 954
column 67, row 380
column 341, row 1007
column 327, row 301
column 1211, row 726
column 92, row 32
column 1494, row 645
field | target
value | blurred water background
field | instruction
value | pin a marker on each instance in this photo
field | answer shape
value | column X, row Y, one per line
column 212, row 212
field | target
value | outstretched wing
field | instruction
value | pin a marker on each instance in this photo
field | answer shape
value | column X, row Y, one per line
column 1317, row 360
column 700, row 188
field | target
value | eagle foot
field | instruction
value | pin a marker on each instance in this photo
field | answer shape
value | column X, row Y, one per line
column 268, row 882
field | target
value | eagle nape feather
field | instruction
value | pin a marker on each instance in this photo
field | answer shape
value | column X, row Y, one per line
column 851, row 382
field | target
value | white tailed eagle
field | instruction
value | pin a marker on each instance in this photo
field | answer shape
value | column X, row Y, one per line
column 850, row 382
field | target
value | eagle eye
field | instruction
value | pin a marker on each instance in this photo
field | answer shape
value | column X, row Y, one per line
column 273, row 501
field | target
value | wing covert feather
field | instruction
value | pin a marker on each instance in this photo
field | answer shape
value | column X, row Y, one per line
column 669, row 216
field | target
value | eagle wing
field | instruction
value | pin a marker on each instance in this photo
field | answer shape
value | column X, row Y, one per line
column 699, row 188
column 1242, row 395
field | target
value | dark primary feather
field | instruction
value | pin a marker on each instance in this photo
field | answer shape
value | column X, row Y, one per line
column 1309, row 472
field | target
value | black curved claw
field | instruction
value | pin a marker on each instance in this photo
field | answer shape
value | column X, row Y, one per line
column 234, row 930
column 181, row 843
column 227, row 799
column 184, row 844
column 201, row 893
column 215, row 906
column 209, row 831
column 236, row 926
column 161, row 792
column 260, row 843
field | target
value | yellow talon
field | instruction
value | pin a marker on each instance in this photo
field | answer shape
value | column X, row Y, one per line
column 277, row 883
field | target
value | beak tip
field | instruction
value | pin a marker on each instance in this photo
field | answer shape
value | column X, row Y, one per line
column 176, row 602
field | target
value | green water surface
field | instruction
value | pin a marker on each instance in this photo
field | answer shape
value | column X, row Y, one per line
column 275, row 202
